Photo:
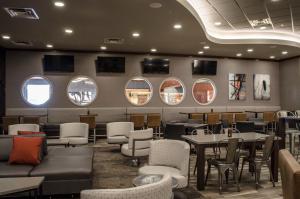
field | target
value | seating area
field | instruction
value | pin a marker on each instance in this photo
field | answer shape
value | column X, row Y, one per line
column 142, row 99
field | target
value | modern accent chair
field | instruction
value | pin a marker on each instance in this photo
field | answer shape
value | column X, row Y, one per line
column 290, row 175
column 118, row 132
column 138, row 144
column 15, row 128
column 75, row 133
column 169, row 157
column 159, row 190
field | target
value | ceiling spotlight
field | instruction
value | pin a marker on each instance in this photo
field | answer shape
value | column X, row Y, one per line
column 177, row 26
column 153, row 50
column 59, row 4
column 263, row 28
column 217, row 23
column 239, row 54
column 136, row 34
column 275, row 0
column 206, row 47
column 282, row 25
column 49, row 46
column 68, row 31
column 103, row 47
column 250, row 50
column 6, row 37
column 284, row 52
column 272, row 57
column 155, row 5
column 200, row 52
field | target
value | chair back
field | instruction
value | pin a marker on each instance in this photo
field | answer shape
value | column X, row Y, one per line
column 245, row 127
column 138, row 121
column 153, row 120
column 268, row 116
column 15, row 128
column 268, row 147
column 232, row 150
column 142, row 137
column 9, row 120
column 212, row 118
column 197, row 116
column 282, row 114
column 88, row 119
column 75, row 129
column 240, row 117
column 31, row 120
column 174, row 131
column 227, row 118
column 119, row 128
column 172, row 153
column 290, row 175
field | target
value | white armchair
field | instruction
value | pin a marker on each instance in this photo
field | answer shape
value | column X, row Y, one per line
column 74, row 133
column 118, row 132
column 139, row 143
column 14, row 129
column 170, row 157
column 159, row 190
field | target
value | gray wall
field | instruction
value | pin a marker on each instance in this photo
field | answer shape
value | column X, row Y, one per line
column 21, row 64
column 290, row 84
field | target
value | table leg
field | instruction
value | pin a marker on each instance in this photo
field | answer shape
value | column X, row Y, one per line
column 274, row 160
column 200, row 167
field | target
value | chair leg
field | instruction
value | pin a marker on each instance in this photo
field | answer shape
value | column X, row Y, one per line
column 94, row 136
column 235, row 175
column 220, row 180
column 271, row 175
column 243, row 163
column 208, row 171
column 195, row 166
column 257, row 175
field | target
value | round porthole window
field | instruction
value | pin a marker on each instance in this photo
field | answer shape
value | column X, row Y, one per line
column 36, row 90
column 138, row 91
column 82, row 90
column 204, row 91
column 172, row 91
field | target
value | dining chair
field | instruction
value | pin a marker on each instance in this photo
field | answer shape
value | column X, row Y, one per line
column 228, row 164
column 154, row 121
column 259, row 160
column 240, row 117
column 269, row 119
column 197, row 116
column 227, row 119
column 138, row 121
column 9, row 120
column 91, row 121
column 212, row 121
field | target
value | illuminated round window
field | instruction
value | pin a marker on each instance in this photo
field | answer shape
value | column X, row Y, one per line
column 36, row 90
column 82, row 90
column 172, row 91
column 138, row 91
column 204, row 91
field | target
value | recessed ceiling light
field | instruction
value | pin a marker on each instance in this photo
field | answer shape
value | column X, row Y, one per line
column 200, row 52
column 155, row 5
column 250, row 50
column 263, row 28
column 68, row 31
column 103, row 47
column 272, row 57
column 217, row 23
column 275, row 0
column 6, row 37
column 206, row 47
column 177, row 26
column 49, row 46
column 136, row 34
column 282, row 25
column 153, row 50
column 59, row 4
column 239, row 54
column 284, row 52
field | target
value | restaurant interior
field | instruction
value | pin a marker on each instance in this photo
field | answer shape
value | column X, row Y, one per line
column 150, row 99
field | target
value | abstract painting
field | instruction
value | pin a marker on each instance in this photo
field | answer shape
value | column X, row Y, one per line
column 261, row 84
column 237, row 86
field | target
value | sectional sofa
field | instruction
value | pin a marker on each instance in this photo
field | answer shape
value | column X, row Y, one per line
column 66, row 170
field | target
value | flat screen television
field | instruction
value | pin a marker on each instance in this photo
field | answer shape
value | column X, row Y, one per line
column 58, row 63
column 110, row 65
column 155, row 66
column 204, row 67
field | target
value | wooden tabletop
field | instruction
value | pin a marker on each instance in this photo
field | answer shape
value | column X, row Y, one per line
column 92, row 115
column 189, row 125
column 187, row 113
column 20, row 184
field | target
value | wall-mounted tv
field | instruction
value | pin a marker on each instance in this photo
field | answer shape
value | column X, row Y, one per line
column 110, row 65
column 58, row 63
column 155, row 66
column 204, row 67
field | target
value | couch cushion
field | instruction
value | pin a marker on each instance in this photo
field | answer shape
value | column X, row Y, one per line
column 8, row 170
column 64, row 168
column 5, row 147
column 119, row 139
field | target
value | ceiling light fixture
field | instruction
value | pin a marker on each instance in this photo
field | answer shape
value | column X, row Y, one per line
column 284, row 52
column 6, row 37
column 239, row 54
column 275, row 0
column 59, row 4
column 272, row 57
column 49, row 46
column 206, row 47
column 68, row 31
column 263, row 27
column 250, row 50
column 153, row 50
column 155, row 5
column 200, row 52
column 177, row 26
column 103, row 47
column 136, row 34
column 217, row 23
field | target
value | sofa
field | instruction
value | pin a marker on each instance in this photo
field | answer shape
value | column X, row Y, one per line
column 66, row 170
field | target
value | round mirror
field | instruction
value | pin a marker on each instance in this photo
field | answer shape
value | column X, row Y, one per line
column 82, row 90
column 138, row 91
column 172, row 91
column 204, row 91
column 36, row 90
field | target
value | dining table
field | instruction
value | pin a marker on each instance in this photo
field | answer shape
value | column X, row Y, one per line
column 203, row 141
